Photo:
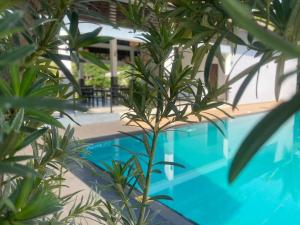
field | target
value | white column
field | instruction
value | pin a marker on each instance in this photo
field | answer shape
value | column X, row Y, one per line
column 131, row 55
column 169, row 154
column 113, row 60
column 227, row 55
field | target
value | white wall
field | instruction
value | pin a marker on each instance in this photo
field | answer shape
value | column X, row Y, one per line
column 187, row 57
column 236, row 63
column 266, row 79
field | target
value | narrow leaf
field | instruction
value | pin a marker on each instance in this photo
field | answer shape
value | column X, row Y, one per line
column 261, row 133
column 169, row 163
column 160, row 197
column 242, row 16
column 64, row 69
column 93, row 59
column 210, row 57
column 11, row 56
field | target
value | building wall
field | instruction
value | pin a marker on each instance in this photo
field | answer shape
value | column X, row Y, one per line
column 187, row 57
column 264, row 89
column 256, row 92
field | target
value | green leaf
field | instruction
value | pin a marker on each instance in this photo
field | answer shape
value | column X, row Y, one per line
column 169, row 163
column 32, row 137
column 5, row 88
column 46, row 91
column 197, row 59
column 261, row 133
column 15, row 78
column 90, row 38
column 27, row 80
column 265, row 58
column 6, row 4
column 210, row 57
column 15, row 168
column 214, row 123
column 40, row 205
column 73, row 24
column 92, row 41
column 131, row 135
column 241, row 15
column 56, row 59
column 93, row 59
column 130, row 151
column 11, row 56
column 9, row 23
column 43, row 117
column 18, row 120
column 244, row 85
column 19, row 158
column 279, row 75
column 160, row 197
column 24, row 189
column 32, row 102
column 234, row 38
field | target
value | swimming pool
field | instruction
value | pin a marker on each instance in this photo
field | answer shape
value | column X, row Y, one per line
column 266, row 193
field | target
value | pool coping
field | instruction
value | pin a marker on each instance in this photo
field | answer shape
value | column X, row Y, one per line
column 136, row 132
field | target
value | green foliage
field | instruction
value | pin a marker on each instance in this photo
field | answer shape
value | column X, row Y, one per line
column 31, row 90
column 275, row 24
column 99, row 77
column 94, row 75
column 157, row 98
column 34, row 153
column 243, row 17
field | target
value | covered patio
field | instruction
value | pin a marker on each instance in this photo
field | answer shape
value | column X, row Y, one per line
column 117, row 54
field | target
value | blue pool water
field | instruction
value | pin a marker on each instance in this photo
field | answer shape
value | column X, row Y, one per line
column 266, row 193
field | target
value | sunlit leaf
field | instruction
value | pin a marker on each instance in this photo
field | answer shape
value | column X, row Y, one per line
column 14, row 55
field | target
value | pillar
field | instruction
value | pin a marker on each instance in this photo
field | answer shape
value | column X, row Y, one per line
column 113, row 62
column 131, row 55
column 81, row 74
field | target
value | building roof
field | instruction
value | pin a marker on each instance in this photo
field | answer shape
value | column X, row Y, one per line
column 119, row 33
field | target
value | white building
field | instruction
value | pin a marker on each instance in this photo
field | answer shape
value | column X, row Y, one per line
column 262, row 86
column 260, row 89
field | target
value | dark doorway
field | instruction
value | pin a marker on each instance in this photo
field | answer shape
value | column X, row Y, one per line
column 213, row 76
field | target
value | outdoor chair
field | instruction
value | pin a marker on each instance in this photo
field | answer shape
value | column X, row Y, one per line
column 88, row 95
column 100, row 94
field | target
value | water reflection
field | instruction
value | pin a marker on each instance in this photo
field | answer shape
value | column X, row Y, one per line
column 169, row 155
column 272, row 178
column 287, row 160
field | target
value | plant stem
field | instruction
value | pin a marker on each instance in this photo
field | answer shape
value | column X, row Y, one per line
column 60, row 180
column 148, row 176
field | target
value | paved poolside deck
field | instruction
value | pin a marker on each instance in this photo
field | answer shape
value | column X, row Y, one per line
column 95, row 125
column 101, row 128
